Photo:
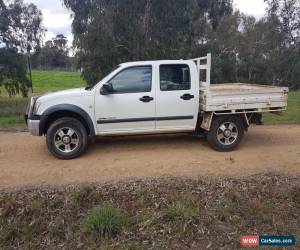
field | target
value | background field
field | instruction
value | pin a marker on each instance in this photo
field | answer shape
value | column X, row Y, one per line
column 12, row 109
column 44, row 81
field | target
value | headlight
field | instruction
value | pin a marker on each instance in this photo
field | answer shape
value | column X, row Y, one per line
column 32, row 105
column 36, row 107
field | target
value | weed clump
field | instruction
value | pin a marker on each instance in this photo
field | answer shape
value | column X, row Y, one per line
column 180, row 212
column 104, row 222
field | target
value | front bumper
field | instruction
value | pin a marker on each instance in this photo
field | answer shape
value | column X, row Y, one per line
column 34, row 127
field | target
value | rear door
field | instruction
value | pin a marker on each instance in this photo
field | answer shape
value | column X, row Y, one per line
column 176, row 97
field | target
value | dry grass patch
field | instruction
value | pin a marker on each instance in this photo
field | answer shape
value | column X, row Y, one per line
column 159, row 213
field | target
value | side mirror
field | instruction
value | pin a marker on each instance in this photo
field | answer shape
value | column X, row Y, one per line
column 106, row 89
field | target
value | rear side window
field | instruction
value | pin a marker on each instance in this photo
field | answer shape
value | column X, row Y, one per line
column 133, row 80
column 174, row 77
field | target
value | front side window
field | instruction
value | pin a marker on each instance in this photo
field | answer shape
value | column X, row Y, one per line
column 133, row 80
column 174, row 77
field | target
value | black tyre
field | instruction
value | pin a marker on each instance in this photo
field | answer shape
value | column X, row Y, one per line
column 226, row 133
column 67, row 138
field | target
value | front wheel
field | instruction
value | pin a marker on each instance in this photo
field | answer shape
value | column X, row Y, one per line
column 226, row 133
column 67, row 138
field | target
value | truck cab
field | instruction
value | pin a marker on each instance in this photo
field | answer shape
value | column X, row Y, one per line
column 149, row 97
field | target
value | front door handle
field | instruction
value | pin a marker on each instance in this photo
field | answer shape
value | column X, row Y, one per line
column 187, row 97
column 146, row 99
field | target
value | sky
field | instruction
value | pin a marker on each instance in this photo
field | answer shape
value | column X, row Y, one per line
column 56, row 18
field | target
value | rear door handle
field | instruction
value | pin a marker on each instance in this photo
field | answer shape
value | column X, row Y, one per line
column 146, row 99
column 187, row 97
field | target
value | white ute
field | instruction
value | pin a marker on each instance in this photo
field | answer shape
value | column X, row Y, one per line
column 152, row 97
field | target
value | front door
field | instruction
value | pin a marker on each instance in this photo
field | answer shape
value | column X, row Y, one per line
column 176, row 98
column 130, row 106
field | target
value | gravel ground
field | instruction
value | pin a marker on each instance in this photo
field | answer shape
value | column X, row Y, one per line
column 25, row 161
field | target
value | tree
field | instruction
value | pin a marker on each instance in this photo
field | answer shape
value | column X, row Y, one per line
column 12, row 72
column 60, row 42
column 287, row 12
column 107, row 33
column 20, row 30
column 224, row 44
column 53, row 54
column 284, row 15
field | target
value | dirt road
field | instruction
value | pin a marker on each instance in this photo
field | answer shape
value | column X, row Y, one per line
column 24, row 159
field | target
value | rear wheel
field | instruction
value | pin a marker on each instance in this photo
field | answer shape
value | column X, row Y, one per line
column 226, row 133
column 66, row 138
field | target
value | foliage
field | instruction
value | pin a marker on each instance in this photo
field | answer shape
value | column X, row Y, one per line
column 287, row 13
column 21, row 25
column 55, row 54
column 13, row 73
column 20, row 31
column 107, row 33
column 104, row 222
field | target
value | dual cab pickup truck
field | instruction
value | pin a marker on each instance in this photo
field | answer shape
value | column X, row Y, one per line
column 152, row 97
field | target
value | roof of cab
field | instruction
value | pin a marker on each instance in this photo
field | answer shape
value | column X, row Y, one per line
column 153, row 62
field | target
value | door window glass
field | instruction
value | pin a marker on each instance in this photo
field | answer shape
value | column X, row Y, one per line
column 174, row 77
column 133, row 80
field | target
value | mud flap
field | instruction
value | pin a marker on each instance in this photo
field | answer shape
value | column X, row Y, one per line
column 206, row 122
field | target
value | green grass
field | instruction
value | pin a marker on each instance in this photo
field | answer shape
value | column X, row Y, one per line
column 11, row 121
column 104, row 222
column 292, row 114
column 44, row 81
